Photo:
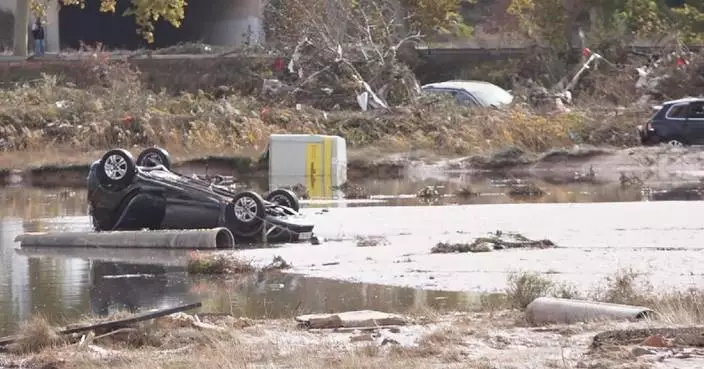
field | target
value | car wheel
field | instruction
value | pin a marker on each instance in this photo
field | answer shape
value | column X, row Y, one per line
column 674, row 143
column 116, row 169
column 154, row 156
column 285, row 198
column 246, row 213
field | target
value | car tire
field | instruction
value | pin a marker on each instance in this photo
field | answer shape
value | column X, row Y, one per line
column 116, row 169
column 673, row 142
column 245, row 213
column 284, row 197
column 154, row 156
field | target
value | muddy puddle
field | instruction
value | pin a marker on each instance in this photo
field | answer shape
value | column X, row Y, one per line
column 597, row 228
column 67, row 284
column 32, row 202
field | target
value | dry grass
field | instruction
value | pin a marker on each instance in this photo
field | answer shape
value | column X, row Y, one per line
column 50, row 118
column 271, row 346
column 218, row 263
column 35, row 335
column 623, row 287
column 62, row 156
column 524, row 287
column 442, row 339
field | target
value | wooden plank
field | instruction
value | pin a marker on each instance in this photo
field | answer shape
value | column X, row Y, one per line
column 114, row 324
column 120, row 323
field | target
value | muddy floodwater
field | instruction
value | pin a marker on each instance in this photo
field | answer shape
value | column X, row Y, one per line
column 598, row 229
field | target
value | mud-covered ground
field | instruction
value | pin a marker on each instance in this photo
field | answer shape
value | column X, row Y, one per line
column 430, row 340
column 660, row 239
column 394, row 245
column 578, row 164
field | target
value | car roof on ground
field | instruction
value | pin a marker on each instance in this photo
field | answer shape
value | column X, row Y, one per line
column 459, row 84
column 683, row 100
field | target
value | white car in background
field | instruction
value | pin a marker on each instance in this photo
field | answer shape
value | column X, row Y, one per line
column 472, row 93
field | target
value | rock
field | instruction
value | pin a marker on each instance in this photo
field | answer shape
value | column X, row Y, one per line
column 350, row 319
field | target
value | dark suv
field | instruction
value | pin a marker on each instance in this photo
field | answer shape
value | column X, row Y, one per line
column 676, row 123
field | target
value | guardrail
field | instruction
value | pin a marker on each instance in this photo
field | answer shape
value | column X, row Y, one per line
column 520, row 51
column 497, row 52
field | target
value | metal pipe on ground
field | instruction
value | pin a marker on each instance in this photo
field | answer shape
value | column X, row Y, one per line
column 216, row 238
column 547, row 310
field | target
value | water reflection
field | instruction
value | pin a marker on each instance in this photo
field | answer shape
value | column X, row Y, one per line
column 131, row 287
column 34, row 203
column 31, row 285
column 99, row 288
column 68, row 283
column 65, row 284
column 276, row 295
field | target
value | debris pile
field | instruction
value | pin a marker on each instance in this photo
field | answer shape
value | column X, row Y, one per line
column 653, row 344
column 495, row 241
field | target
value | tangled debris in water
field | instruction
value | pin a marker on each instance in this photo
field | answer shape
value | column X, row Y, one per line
column 496, row 241
column 372, row 241
column 278, row 263
column 466, row 192
column 527, row 190
column 228, row 263
column 352, row 191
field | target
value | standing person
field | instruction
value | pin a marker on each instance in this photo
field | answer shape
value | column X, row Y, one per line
column 38, row 34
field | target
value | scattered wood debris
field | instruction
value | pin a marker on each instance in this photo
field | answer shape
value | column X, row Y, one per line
column 495, row 241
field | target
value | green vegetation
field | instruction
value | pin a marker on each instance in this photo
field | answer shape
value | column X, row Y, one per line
column 556, row 20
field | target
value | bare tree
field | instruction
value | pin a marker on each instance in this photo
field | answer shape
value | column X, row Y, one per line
column 343, row 47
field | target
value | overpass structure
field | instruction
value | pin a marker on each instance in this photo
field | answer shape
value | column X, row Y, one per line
column 216, row 22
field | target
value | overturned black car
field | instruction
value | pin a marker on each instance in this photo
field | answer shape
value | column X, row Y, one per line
column 129, row 194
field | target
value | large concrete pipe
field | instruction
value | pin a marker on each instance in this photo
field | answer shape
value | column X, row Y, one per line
column 166, row 257
column 216, row 238
column 546, row 310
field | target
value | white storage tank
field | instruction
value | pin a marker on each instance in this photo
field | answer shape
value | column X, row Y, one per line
column 319, row 162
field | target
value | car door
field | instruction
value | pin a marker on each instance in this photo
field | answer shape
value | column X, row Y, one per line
column 694, row 125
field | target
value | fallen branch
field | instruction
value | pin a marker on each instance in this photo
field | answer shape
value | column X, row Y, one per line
column 113, row 324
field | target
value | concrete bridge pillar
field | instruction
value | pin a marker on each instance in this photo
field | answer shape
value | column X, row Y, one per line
column 21, row 13
column 51, row 28
column 23, row 22
column 235, row 22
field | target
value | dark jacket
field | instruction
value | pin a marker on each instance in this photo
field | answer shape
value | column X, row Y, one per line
column 38, row 32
